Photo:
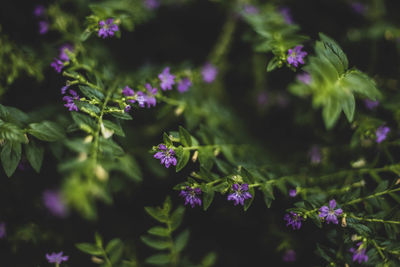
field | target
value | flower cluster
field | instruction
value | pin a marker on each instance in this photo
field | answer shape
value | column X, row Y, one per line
column 359, row 253
column 107, row 28
column 293, row 219
column 59, row 63
column 166, row 156
column 191, row 196
column 57, row 258
column 239, row 194
column 329, row 213
column 70, row 99
column 296, row 56
column 142, row 98
column 40, row 12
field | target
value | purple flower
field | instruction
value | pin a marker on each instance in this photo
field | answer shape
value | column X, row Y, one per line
column 287, row 16
column 63, row 55
column 191, row 196
column 70, row 104
column 371, row 104
column 209, row 73
column 128, row 91
column 359, row 253
column 2, row 230
column 151, row 4
column 140, row 98
column 150, row 98
column 304, row 77
column 54, row 203
column 293, row 219
column 57, row 64
column 250, row 9
column 184, row 85
column 289, row 256
column 292, row 192
column 64, row 89
column 43, row 27
column 358, row 7
column 381, row 133
column 315, row 155
column 127, row 108
column 165, row 155
column 39, row 11
column 167, row 79
column 56, row 257
column 262, row 98
column 295, row 56
column 107, row 28
column 239, row 194
column 329, row 213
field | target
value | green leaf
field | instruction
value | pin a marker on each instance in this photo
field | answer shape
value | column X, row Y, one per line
column 34, row 154
column 84, row 122
column 208, row 196
column 115, row 249
column 167, row 140
column 158, row 259
column 209, row 260
column 334, row 54
column 348, row 105
column 89, row 249
column 155, row 243
column 11, row 132
column 272, row 64
column 10, row 157
column 129, row 166
column 115, row 127
column 183, row 156
column 206, row 157
column 181, row 240
column 185, row 137
column 156, row 213
column 247, row 202
column 121, row 115
column 109, row 146
column 158, row 230
column 331, row 112
column 91, row 93
column 46, row 131
column 176, row 217
column 98, row 239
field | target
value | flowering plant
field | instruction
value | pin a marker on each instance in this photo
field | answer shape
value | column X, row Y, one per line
column 111, row 108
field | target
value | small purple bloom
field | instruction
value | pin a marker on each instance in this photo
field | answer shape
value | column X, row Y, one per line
column 39, row 11
column 107, row 28
column 209, row 73
column 128, row 91
column 167, row 79
column 151, row 4
column 127, row 108
column 293, row 219
column 359, row 253
column 239, row 194
column 55, row 203
column 43, row 27
column 70, row 104
column 329, row 213
column 304, row 77
column 250, row 9
column 57, row 64
column 262, row 98
column 184, row 85
column 381, row 133
column 166, row 156
column 64, row 89
column 315, row 155
column 358, row 7
column 151, row 92
column 371, row 104
column 2, row 230
column 286, row 14
column 141, row 99
column 56, row 257
column 289, row 256
column 292, row 192
column 191, row 196
column 296, row 55
column 63, row 54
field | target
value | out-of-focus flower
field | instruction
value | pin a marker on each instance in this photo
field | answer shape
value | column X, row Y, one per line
column 39, row 11
column 56, row 257
column 107, row 28
column 359, row 253
column 292, row 192
column 54, row 202
column 371, row 104
column 381, row 133
column 167, row 79
column 286, row 14
column 151, row 4
column 2, row 230
column 69, row 99
column 293, row 219
column 209, row 73
column 184, row 85
column 43, row 27
column 289, row 256
column 315, row 155
column 304, row 77
column 296, row 56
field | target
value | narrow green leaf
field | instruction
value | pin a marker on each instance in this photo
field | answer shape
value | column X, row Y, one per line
column 89, row 249
column 115, row 249
column 331, row 112
column 247, row 202
column 156, row 213
column 348, row 105
column 10, row 157
column 46, row 131
column 181, row 240
column 159, row 231
column 115, row 127
column 185, row 137
column 121, row 115
column 206, row 157
column 183, row 156
column 208, row 197
column 167, row 140
column 91, row 92
column 158, row 259
column 176, row 217
column 155, row 243
column 34, row 154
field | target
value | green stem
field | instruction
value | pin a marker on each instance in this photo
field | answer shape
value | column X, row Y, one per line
column 371, row 196
column 173, row 253
column 372, row 220
column 379, row 250
column 224, row 41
